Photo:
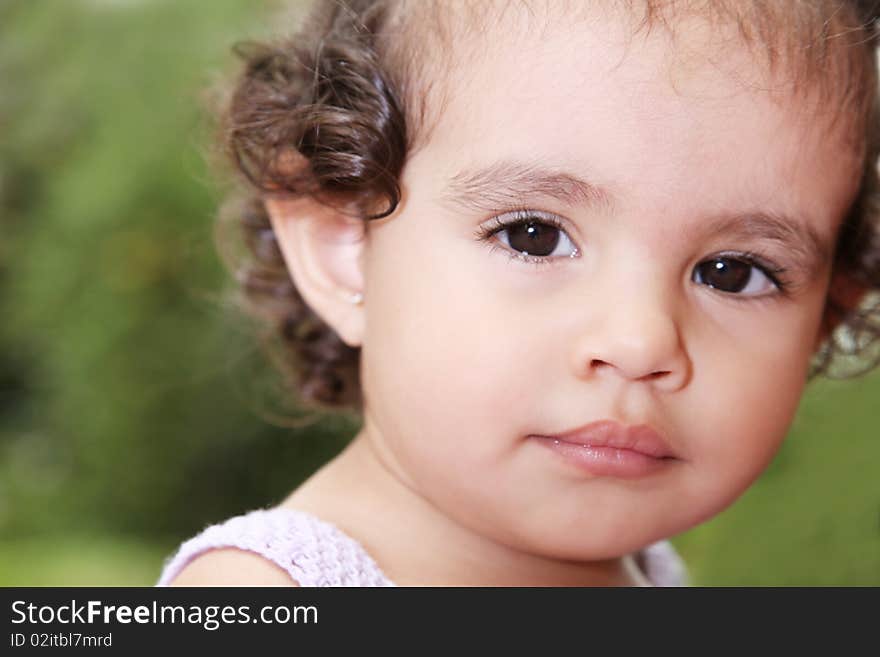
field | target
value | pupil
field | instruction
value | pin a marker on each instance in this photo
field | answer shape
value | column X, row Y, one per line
column 533, row 238
column 725, row 274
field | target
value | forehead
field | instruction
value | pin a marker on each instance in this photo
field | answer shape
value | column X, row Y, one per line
column 665, row 112
column 822, row 47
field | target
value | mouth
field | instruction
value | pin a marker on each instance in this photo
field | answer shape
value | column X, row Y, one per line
column 607, row 448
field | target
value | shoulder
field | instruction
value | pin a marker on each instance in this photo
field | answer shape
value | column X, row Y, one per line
column 257, row 548
column 232, row 567
column 280, row 546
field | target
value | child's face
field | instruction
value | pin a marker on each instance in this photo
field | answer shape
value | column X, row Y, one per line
column 468, row 354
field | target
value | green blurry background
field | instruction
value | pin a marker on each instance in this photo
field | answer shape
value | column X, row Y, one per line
column 134, row 404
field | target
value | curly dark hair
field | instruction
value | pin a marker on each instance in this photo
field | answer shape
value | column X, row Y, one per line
column 333, row 112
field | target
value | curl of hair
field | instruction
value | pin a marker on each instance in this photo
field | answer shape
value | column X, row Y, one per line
column 312, row 116
column 852, row 348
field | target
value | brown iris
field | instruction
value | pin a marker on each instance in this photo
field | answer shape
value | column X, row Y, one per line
column 533, row 238
column 725, row 274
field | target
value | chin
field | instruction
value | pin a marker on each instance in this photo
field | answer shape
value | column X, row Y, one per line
column 585, row 542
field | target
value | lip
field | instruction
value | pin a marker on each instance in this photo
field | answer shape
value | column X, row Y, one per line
column 607, row 448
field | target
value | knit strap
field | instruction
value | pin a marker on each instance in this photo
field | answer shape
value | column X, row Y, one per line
column 662, row 565
column 311, row 551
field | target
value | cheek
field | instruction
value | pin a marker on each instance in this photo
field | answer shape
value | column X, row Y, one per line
column 746, row 391
column 442, row 364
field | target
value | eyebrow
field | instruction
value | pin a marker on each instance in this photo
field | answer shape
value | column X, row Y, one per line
column 508, row 183
column 808, row 248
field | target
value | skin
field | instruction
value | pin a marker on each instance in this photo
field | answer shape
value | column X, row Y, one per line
column 467, row 352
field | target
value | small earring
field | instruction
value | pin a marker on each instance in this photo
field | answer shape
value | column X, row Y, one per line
column 355, row 298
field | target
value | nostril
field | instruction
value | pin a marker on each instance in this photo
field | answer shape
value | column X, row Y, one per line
column 596, row 363
column 657, row 375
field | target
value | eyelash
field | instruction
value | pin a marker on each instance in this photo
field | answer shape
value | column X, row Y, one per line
column 774, row 273
column 516, row 218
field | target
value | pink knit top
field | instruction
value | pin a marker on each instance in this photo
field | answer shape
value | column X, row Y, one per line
column 315, row 553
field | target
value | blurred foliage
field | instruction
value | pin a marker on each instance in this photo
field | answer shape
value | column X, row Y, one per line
column 80, row 560
column 132, row 400
column 130, row 396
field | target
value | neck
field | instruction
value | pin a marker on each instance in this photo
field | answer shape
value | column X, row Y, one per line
column 415, row 543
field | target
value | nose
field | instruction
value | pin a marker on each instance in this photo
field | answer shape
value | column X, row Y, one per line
column 635, row 337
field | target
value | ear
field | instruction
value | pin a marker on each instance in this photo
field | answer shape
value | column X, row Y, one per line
column 844, row 295
column 323, row 250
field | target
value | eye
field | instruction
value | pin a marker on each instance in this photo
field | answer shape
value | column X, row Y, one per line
column 531, row 236
column 739, row 275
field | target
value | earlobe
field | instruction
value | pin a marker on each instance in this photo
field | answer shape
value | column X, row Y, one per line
column 323, row 249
